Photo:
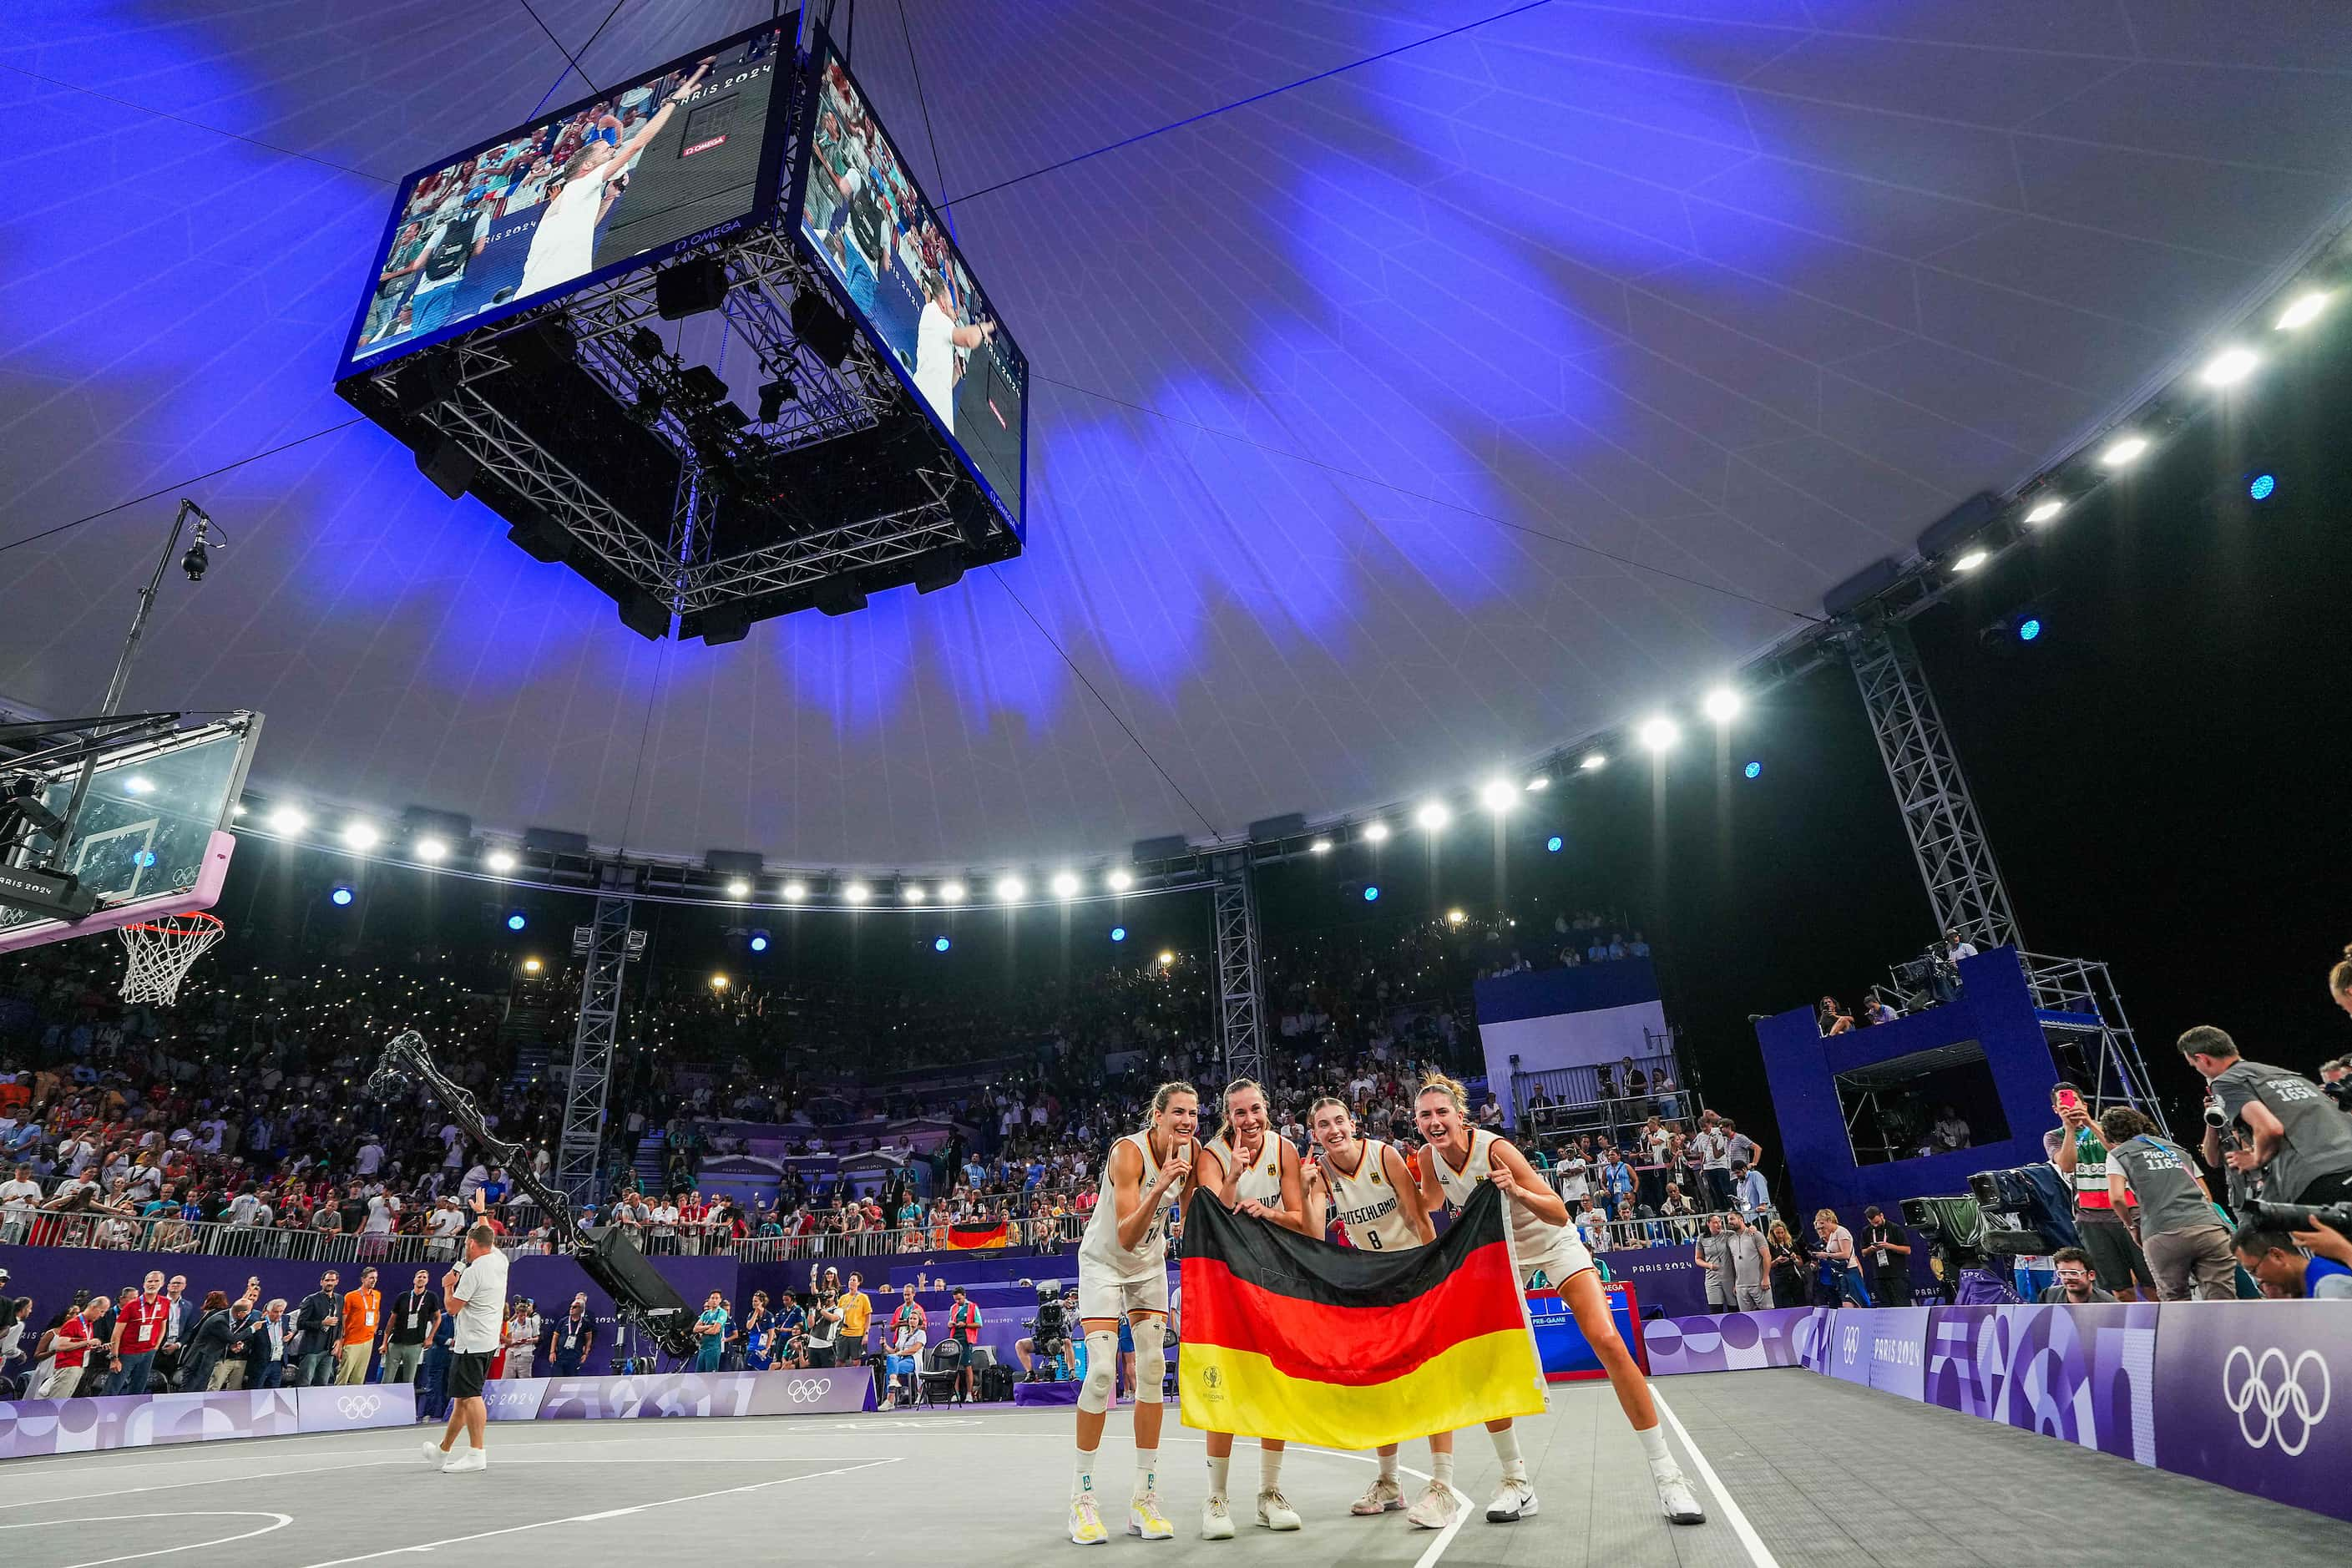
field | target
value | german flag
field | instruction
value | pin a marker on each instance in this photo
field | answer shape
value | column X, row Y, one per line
column 1293, row 1338
column 966, row 1236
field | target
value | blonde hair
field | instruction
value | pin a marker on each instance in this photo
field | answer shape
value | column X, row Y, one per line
column 1438, row 1083
column 2339, row 979
column 1829, row 1215
column 1240, row 1084
column 1345, row 1109
column 1779, row 1232
column 1168, row 1091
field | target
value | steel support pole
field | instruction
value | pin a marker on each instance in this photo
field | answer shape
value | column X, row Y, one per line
column 580, row 1147
column 1240, row 1018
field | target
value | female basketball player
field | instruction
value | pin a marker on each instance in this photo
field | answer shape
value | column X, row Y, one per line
column 1255, row 1172
column 1123, row 1274
column 1455, row 1158
column 1381, row 1207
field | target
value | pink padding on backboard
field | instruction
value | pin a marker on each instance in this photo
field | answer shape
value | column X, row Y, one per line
column 203, row 896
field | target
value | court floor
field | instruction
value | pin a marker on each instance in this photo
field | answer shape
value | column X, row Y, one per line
column 1815, row 1472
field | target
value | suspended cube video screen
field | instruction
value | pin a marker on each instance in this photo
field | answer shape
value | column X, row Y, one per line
column 871, row 225
column 686, row 153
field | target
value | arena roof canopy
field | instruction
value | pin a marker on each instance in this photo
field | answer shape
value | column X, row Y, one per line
column 1419, row 383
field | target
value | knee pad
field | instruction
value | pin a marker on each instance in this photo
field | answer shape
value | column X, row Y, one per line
column 1102, row 1364
column 1150, row 1360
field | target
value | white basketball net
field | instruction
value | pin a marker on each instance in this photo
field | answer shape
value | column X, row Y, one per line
column 161, row 951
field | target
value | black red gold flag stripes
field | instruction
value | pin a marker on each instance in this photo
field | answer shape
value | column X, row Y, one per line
column 1289, row 1337
column 974, row 1234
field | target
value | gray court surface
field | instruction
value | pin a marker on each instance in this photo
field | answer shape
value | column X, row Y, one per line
column 1823, row 1473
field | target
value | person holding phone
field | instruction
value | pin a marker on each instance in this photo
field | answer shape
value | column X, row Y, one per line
column 2081, row 1157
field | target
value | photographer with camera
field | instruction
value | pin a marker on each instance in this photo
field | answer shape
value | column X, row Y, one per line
column 1048, row 1338
column 2174, row 1221
column 2270, row 1253
column 2290, row 1132
column 2081, row 1156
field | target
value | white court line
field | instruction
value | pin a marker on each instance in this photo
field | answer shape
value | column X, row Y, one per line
column 1758, row 1552
column 283, row 1521
column 1437, row 1548
column 199, row 1481
column 607, row 1513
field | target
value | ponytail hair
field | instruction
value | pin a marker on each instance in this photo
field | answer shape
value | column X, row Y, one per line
column 1438, row 1083
column 1168, row 1091
column 2339, row 979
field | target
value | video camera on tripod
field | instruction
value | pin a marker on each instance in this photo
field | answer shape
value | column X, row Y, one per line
column 2025, row 1210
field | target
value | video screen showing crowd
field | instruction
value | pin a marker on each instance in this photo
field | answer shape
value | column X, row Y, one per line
column 657, row 161
column 882, row 239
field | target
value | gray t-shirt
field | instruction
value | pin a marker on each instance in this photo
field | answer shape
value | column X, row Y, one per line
column 1717, row 1249
column 2163, row 1178
column 1746, row 1248
column 2318, row 1140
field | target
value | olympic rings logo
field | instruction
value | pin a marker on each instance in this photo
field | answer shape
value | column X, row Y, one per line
column 359, row 1407
column 2295, row 1404
column 808, row 1391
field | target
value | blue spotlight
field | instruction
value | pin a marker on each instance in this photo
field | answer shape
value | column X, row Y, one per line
column 1552, row 844
column 2261, row 486
column 144, row 858
column 1753, row 770
column 941, row 945
column 516, row 921
column 341, row 897
column 1371, row 893
column 758, row 942
column 1118, row 933
column 2028, row 628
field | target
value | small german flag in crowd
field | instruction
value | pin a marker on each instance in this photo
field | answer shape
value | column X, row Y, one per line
column 967, row 1237
column 1289, row 1337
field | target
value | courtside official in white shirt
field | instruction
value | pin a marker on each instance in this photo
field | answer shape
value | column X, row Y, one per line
column 477, row 1294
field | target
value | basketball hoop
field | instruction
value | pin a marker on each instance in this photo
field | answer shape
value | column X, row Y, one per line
column 162, row 952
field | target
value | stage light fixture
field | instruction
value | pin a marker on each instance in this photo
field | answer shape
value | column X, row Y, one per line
column 2123, row 451
column 2029, row 629
column 2302, row 310
column 342, row 896
column 361, row 837
column 1658, row 735
column 1496, row 796
column 1065, row 885
column 1540, row 781
column 941, row 945
column 1166, row 958
column 2044, row 510
column 1372, row 892
column 516, row 921
column 1551, row 845
column 287, row 819
column 1011, row 889
column 825, row 331
column 2228, row 367
column 1118, row 933
column 1971, row 561
column 689, row 288
column 1118, row 881
column 796, row 891
column 1321, row 847
column 856, row 892
column 773, row 396
column 950, row 893
column 718, row 983
column 1433, row 817
column 1722, row 705
column 1595, row 761
column 1454, row 917
column 1753, row 771
column 1376, row 833
column 499, row 861
column 758, row 942
column 912, row 893
column 139, row 783
column 2261, row 486
column 645, row 342
column 738, row 889
column 533, row 966
column 431, row 850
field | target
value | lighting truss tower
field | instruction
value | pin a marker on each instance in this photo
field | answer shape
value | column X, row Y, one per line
column 1947, row 838
column 578, row 1155
column 1240, row 1019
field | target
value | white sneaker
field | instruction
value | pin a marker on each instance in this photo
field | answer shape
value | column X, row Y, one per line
column 1274, row 1510
column 1674, row 1494
column 1513, row 1500
column 435, row 1455
column 466, row 1458
column 1144, row 1519
column 1216, row 1520
column 1085, row 1523
column 1384, row 1495
column 1437, row 1507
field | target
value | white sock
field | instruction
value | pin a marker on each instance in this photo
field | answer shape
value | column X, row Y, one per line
column 1506, row 1448
column 1653, row 1444
column 1389, row 1469
column 1146, row 1471
column 1269, row 1469
column 1441, row 1466
column 1082, row 1480
column 1219, row 1468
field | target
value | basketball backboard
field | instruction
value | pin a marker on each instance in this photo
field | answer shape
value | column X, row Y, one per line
column 152, row 838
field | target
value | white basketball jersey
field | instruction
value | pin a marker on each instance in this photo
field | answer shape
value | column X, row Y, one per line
column 1261, row 1179
column 1099, row 1252
column 1534, row 1244
column 1367, row 1203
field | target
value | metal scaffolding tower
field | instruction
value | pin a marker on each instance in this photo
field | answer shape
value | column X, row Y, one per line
column 1240, row 1019
column 610, row 945
column 1947, row 837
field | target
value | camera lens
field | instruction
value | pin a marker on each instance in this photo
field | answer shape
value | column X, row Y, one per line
column 2215, row 1116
